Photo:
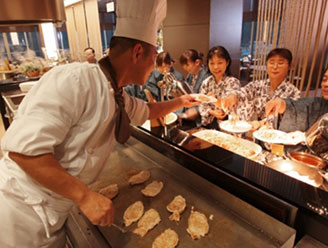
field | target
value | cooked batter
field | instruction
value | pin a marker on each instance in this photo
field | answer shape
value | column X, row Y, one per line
column 133, row 213
column 147, row 222
column 109, row 191
column 167, row 239
column 197, row 225
column 152, row 189
column 176, row 207
column 139, row 178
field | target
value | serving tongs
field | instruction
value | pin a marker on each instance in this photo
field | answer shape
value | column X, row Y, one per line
column 151, row 99
column 121, row 229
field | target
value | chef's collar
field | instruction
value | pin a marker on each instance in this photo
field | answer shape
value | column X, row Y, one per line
column 122, row 124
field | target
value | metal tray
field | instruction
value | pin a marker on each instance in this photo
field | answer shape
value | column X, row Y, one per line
column 235, row 223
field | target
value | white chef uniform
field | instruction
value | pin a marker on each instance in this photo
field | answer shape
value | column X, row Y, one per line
column 70, row 113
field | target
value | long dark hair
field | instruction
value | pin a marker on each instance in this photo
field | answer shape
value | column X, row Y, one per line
column 190, row 54
column 220, row 52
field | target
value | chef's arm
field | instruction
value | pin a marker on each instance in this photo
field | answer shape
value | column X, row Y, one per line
column 160, row 109
column 47, row 171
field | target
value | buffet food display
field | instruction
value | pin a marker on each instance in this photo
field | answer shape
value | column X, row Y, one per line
column 234, row 144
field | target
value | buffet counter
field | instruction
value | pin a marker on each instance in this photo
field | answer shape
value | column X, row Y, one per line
column 245, row 196
column 285, row 198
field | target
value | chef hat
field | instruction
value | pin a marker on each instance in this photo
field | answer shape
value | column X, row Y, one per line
column 139, row 19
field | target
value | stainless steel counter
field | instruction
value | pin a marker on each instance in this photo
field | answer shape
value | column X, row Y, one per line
column 235, row 223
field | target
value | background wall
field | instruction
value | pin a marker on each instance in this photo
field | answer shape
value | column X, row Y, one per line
column 186, row 26
column 225, row 28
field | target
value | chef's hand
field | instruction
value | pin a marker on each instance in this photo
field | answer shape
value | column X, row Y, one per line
column 97, row 208
column 276, row 106
column 219, row 114
column 188, row 101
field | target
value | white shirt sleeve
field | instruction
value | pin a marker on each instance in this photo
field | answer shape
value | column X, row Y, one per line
column 136, row 109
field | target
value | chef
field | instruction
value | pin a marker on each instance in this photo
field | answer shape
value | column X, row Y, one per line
column 67, row 125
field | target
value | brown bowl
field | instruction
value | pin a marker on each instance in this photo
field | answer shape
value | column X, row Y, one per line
column 308, row 159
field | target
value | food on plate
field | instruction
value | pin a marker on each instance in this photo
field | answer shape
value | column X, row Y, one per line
column 109, row 191
column 266, row 134
column 237, row 145
column 170, row 118
column 133, row 213
column 204, row 98
column 152, row 189
column 197, row 225
column 176, row 207
column 139, row 178
column 167, row 239
column 297, row 137
column 235, row 126
column 147, row 222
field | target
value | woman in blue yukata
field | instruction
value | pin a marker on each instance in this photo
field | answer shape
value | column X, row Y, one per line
column 164, row 64
column 192, row 62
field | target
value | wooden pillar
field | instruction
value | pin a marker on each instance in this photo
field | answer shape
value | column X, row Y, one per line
column 83, row 28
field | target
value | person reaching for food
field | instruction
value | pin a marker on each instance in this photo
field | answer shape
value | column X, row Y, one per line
column 251, row 99
column 299, row 114
column 220, row 83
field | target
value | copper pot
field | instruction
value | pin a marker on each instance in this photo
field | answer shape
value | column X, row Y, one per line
column 308, row 159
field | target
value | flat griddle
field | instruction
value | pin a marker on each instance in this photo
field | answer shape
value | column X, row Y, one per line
column 235, row 223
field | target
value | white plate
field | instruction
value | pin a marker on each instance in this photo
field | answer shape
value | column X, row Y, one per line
column 234, row 144
column 296, row 137
column 170, row 118
column 235, row 126
column 272, row 136
column 204, row 98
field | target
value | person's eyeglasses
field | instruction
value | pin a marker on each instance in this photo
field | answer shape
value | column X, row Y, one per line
column 279, row 64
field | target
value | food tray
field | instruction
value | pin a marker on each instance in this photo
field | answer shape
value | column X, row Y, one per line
column 234, row 144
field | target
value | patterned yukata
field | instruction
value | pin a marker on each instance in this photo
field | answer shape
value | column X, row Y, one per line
column 253, row 97
column 219, row 89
